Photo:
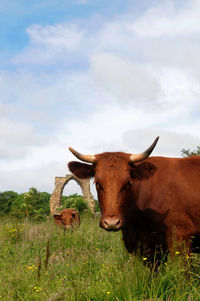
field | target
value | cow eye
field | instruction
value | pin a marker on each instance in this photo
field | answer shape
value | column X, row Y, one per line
column 126, row 186
column 99, row 186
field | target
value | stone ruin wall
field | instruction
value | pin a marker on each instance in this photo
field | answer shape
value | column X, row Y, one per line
column 60, row 182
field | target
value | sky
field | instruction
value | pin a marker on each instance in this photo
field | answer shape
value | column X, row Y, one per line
column 98, row 76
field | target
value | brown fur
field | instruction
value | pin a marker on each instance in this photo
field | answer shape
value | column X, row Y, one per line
column 67, row 218
column 151, row 202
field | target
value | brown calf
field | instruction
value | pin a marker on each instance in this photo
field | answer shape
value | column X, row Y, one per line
column 67, row 218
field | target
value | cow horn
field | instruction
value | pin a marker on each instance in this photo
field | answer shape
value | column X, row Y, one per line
column 144, row 155
column 85, row 158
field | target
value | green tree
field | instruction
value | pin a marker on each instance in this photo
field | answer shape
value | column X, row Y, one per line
column 33, row 204
column 188, row 152
column 75, row 201
column 44, row 198
column 6, row 200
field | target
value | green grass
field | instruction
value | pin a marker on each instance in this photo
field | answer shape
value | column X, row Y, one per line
column 86, row 263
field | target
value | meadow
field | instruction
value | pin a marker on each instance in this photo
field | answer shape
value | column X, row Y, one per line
column 39, row 261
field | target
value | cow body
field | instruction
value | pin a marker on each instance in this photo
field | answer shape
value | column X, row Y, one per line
column 167, row 208
column 67, row 218
column 153, row 203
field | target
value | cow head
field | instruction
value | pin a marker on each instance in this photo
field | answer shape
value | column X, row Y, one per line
column 114, row 175
column 67, row 218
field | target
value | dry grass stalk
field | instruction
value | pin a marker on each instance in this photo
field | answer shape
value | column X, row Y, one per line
column 47, row 256
column 39, row 267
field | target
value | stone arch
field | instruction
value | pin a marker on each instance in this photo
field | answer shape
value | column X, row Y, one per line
column 60, row 182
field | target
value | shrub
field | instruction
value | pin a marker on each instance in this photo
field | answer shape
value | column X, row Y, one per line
column 6, row 200
column 31, row 204
column 75, row 201
column 188, row 152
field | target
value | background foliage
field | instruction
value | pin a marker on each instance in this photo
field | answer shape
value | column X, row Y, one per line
column 31, row 204
column 6, row 200
column 35, row 205
column 188, row 152
column 74, row 201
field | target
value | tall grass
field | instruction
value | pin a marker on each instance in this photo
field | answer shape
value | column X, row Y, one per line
column 42, row 262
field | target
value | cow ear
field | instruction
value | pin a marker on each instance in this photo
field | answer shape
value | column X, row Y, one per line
column 143, row 171
column 81, row 170
column 57, row 217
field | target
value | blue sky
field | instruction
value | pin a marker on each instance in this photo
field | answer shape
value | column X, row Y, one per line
column 17, row 15
column 97, row 76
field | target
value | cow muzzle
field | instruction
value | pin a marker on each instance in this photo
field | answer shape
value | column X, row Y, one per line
column 110, row 223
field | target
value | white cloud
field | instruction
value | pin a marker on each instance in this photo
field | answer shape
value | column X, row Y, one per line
column 130, row 79
column 169, row 20
column 170, row 143
column 51, row 43
column 67, row 36
column 165, row 35
column 21, row 179
column 16, row 139
column 124, row 79
column 179, row 88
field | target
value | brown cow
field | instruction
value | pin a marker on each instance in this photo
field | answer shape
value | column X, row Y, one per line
column 67, row 218
column 152, row 202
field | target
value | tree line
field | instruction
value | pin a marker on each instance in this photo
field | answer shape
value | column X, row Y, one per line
column 34, row 204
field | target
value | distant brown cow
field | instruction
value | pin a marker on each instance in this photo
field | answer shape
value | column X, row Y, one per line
column 67, row 218
column 151, row 202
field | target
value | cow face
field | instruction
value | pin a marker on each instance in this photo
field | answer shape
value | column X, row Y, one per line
column 67, row 218
column 115, row 174
column 113, row 184
column 114, row 177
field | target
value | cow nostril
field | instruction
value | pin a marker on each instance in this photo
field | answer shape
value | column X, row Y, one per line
column 118, row 222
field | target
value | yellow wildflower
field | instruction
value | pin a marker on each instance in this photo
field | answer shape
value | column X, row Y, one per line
column 36, row 289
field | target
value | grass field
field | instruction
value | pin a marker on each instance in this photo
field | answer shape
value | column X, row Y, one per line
column 42, row 262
